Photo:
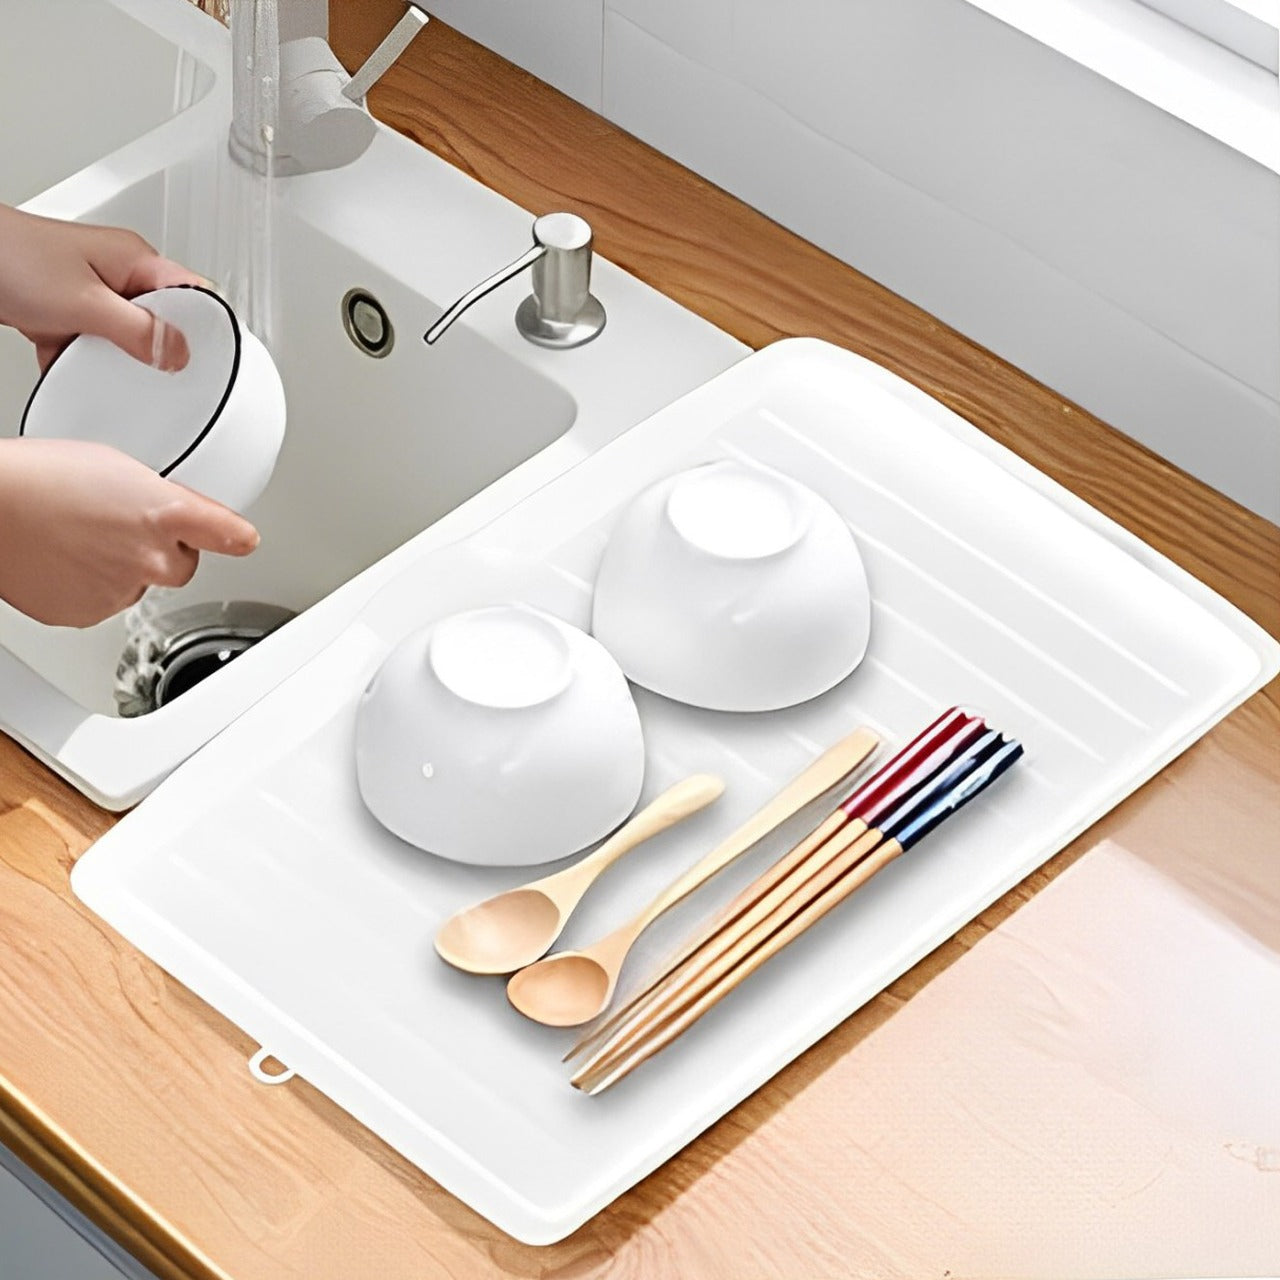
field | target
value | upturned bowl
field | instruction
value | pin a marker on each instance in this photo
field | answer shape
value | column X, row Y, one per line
column 501, row 736
column 732, row 587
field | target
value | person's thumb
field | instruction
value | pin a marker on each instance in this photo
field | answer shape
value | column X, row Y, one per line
column 135, row 330
column 204, row 525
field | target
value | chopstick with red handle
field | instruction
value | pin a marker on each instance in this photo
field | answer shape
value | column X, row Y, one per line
column 901, row 776
column 974, row 770
column 784, row 898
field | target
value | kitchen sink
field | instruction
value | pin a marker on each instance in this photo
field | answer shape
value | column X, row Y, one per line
column 376, row 451
column 49, row 135
column 384, row 457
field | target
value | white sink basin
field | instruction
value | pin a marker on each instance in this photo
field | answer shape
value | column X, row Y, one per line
column 384, row 458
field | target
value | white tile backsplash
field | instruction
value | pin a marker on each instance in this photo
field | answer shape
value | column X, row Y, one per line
column 558, row 40
column 702, row 30
column 1113, row 252
column 990, row 125
column 972, row 276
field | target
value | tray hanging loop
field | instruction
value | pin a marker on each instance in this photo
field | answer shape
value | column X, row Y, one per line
column 258, row 1070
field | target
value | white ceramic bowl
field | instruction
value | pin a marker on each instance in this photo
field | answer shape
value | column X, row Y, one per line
column 501, row 737
column 215, row 426
column 732, row 587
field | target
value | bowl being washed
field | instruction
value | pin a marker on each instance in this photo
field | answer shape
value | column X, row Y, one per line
column 215, row 426
column 732, row 587
column 500, row 737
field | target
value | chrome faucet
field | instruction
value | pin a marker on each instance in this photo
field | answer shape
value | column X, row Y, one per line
column 561, row 311
column 294, row 107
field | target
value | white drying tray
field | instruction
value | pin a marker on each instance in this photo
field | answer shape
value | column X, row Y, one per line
column 255, row 876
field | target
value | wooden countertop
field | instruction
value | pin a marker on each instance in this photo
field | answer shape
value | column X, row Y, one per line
column 132, row 1097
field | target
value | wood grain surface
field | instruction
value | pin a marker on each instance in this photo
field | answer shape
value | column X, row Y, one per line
column 132, row 1097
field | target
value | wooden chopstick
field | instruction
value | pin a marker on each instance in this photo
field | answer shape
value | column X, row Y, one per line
column 919, row 759
column 780, row 892
column 839, row 878
column 672, row 969
column 839, row 873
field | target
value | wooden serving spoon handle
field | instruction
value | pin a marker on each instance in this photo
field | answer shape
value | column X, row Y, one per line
column 833, row 766
column 674, row 805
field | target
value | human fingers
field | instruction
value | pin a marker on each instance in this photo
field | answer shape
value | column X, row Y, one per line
column 135, row 330
column 204, row 525
column 47, row 345
column 175, row 566
column 46, row 352
column 130, row 265
column 155, row 272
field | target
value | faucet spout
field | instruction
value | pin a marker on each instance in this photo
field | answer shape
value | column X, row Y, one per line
column 294, row 107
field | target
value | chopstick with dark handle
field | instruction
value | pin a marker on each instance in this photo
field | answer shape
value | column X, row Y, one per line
column 860, row 860
column 898, row 778
column 790, row 895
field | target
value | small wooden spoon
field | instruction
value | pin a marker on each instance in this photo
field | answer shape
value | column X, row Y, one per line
column 512, row 929
column 571, row 987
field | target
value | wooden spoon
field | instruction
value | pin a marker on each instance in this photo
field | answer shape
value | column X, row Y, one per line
column 512, row 929
column 572, row 987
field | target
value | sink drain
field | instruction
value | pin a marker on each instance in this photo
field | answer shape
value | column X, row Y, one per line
column 367, row 323
column 166, row 656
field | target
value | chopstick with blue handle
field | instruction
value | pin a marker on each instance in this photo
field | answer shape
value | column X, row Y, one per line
column 901, row 776
column 887, row 799
column 973, row 770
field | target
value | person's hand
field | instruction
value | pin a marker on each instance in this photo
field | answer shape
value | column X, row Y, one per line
column 85, row 529
column 60, row 279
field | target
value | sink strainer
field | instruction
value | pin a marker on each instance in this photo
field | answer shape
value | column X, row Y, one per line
column 168, row 654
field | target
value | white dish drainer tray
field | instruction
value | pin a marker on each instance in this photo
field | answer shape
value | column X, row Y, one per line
column 255, row 876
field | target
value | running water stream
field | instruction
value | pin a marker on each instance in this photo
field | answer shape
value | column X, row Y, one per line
column 246, row 193
column 244, row 254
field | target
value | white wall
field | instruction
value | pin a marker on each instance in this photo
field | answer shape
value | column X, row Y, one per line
column 560, row 41
column 1113, row 251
